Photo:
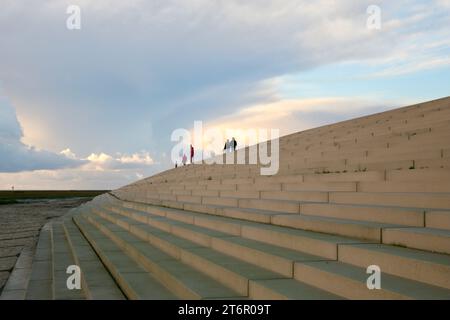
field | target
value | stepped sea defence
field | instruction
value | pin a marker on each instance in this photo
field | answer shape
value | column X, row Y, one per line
column 358, row 210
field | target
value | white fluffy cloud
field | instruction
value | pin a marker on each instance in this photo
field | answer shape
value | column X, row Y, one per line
column 103, row 161
column 68, row 153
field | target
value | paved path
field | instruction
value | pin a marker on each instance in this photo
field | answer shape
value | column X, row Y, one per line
column 20, row 225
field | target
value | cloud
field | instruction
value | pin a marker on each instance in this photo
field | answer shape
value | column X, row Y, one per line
column 15, row 156
column 159, row 59
column 19, row 157
column 142, row 158
column 27, row 167
column 69, row 179
column 10, row 129
column 408, row 67
column 68, row 153
column 290, row 116
column 103, row 161
column 139, row 69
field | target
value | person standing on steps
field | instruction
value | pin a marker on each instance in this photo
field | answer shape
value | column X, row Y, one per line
column 227, row 146
column 192, row 154
column 233, row 144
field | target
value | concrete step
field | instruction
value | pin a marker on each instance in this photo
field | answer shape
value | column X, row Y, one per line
column 309, row 242
column 422, row 266
column 274, row 258
column 172, row 204
column 300, row 196
column 418, row 175
column 203, row 208
column 240, row 194
column 97, row 283
column 442, row 163
column 167, row 197
column 305, row 241
column 195, row 187
column 133, row 279
column 271, row 205
column 277, row 179
column 178, row 192
column 437, row 219
column 380, row 214
column 429, row 239
column 238, row 181
column 220, row 187
column 407, row 200
column 218, row 201
column 255, row 215
column 397, row 154
column 209, row 238
column 205, row 193
column 189, row 199
column 307, row 163
column 16, row 285
column 288, row 223
column 287, row 289
column 175, row 225
column 346, row 177
column 190, row 210
column 320, row 186
column 40, row 284
column 219, row 223
column 349, row 228
column 62, row 258
column 232, row 272
column 223, row 268
column 399, row 186
column 267, row 185
column 351, row 282
column 381, row 164
column 270, row 257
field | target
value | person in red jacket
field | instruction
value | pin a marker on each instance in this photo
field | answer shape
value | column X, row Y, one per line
column 192, row 154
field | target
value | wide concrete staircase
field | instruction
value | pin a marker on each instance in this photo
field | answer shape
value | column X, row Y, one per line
column 369, row 191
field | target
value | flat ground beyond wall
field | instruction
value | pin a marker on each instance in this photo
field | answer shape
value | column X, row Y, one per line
column 15, row 196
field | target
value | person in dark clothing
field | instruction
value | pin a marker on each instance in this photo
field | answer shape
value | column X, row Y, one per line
column 227, row 146
column 192, row 154
column 233, row 144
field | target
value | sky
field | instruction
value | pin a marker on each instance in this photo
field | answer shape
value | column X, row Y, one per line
column 95, row 107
